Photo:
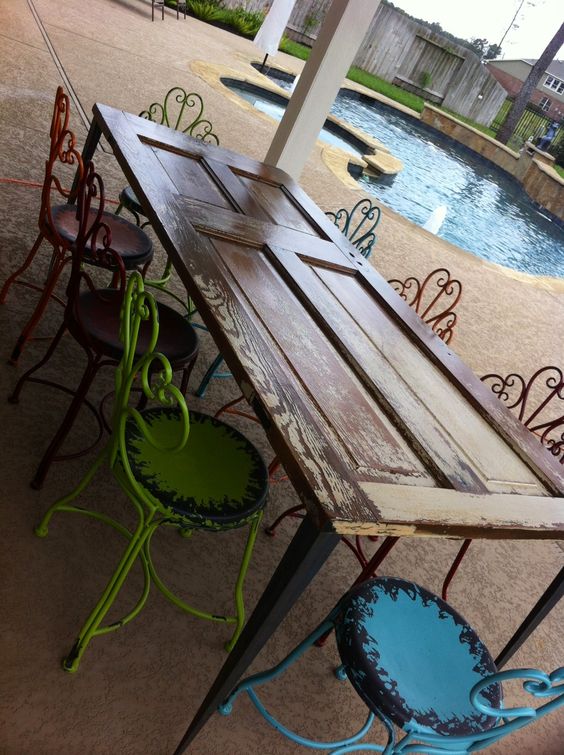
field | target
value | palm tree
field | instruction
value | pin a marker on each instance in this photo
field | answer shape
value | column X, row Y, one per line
column 520, row 103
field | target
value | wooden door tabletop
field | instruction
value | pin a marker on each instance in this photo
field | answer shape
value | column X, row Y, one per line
column 380, row 426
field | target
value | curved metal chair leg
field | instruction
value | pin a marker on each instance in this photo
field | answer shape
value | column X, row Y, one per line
column 46, row 294
column 210, row 373
column 27, row 262
column 454, row 568
column 293, row 511
column 92, row 627
column 14, row 397
column 64, row 428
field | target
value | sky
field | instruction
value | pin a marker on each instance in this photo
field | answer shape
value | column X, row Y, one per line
column 538, row 21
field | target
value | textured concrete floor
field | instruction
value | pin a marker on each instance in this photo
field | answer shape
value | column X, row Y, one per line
column 138, row 689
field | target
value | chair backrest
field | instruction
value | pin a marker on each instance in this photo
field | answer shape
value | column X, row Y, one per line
column 434, row 299
column 358, row 224
column 182, row 111
column 62, row 152
column 538, row 402
column 93, row 241
column 151, row 371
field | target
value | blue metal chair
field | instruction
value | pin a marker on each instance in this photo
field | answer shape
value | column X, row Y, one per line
column 419, row 666
column 358, row 226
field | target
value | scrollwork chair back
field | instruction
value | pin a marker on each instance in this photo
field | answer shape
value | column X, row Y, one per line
column 538, row 402
column 182, row 111
column 358, row 224
column 434, row 299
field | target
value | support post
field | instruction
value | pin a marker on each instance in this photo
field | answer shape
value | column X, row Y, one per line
column 339, row 38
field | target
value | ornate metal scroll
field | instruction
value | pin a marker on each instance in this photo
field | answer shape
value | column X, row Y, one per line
column 434, row 299
column 536, row 402
column 182, row 111
column 358, row 225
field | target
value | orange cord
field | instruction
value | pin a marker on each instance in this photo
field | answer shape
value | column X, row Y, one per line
column 35, row 185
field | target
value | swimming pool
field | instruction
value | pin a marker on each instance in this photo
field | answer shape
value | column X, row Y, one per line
column 488, row 213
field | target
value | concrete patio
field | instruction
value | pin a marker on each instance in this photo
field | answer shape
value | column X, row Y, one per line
column 138, row 689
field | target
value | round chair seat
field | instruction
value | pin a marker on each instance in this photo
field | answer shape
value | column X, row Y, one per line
column 414, row 658
column 128, row 199
column 217, row 481
column 97, row 315
column 130, row 242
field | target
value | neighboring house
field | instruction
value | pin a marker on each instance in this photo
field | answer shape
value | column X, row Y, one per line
column 549, row 93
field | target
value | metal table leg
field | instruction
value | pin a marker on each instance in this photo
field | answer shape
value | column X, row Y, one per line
column 304, row 557
column 546, row 603
column 94, row 134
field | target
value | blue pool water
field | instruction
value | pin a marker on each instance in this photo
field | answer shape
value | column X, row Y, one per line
column 488, row 213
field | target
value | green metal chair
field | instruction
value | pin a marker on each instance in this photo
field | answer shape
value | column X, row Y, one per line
column 182, row 111
column 189, row 471
column 358, row 224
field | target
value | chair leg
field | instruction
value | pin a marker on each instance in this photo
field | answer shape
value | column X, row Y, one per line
column 92, row 627
column 50, row 283
column 239, row 603
column 186, row 372
column 210, row 373
column 248, row 685
column 14, row 397
column 292, row 511
column 27, row 262
column 80, row 394
column 454, row 568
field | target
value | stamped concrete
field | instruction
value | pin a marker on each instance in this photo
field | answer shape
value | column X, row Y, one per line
column 138, row 688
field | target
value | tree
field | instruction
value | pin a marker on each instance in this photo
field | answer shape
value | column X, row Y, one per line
column 516, row 110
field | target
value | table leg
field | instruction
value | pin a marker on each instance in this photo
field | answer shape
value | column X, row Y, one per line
column 305, row 555
column 94, row 134
column 546, row 603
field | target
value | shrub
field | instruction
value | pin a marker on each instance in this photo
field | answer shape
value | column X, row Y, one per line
column 206, row 10
column 425, row 79
column 247, row 23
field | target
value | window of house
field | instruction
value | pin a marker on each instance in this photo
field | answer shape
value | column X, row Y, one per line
column 555, row 84
column 545, row 103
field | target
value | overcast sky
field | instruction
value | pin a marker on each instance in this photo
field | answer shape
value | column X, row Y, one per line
column 538, row 21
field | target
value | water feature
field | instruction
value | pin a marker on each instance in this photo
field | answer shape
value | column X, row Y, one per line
column 487, row 212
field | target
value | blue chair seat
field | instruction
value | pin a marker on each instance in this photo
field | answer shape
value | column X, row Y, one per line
column 412, row 657
column 218, row 480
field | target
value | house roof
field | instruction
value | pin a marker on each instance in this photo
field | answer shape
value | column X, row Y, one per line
column 556, row 68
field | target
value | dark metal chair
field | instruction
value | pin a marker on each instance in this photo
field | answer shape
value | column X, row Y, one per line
column 419, row 666
column 92, row 314
column 434, row 299
column 58, row 224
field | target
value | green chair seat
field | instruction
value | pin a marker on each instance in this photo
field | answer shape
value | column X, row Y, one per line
column 217, row 480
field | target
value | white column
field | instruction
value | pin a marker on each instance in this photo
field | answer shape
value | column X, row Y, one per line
column 339, row 38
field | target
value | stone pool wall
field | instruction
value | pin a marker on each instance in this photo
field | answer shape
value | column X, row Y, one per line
column 541, row 182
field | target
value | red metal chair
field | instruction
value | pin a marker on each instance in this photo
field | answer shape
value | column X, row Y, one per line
column 58, row 224
column 535, row 401
column 92, row 315
column 434, row 299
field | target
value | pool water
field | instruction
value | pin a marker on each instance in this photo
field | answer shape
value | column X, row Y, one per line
column 277, row 111
column 488, row 213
